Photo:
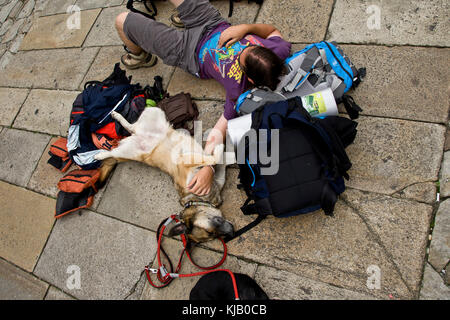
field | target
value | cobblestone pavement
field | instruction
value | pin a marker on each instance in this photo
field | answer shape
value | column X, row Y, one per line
column 389, row 238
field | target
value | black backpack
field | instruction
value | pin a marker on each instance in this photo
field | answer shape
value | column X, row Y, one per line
column 312, row 162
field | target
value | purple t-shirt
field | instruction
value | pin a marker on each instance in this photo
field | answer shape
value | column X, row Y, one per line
column 222, row 64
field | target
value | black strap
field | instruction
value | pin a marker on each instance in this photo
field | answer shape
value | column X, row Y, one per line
column 161, row 247
column 150, row 16
column 328, row 199
column 351, row 107
column 241, row 231
column 230, row 11
column 361, row 75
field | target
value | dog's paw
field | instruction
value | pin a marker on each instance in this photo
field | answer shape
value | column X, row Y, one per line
column 114, row 114
column 101, row 155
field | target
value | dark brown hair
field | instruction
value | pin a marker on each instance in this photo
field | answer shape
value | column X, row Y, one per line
column 264, row 67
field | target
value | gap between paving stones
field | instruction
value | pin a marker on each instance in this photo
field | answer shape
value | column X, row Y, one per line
column 376, row 238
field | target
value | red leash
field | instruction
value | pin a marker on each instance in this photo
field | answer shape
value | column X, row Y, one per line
column 166, row 277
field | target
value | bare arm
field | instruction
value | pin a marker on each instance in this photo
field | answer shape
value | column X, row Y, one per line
column 236, row 33
column 217, row 135
column 201, row 182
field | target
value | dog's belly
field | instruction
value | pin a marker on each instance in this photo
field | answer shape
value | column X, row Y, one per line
column 136, row 146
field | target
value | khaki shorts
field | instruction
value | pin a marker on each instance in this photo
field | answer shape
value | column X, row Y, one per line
column 174, row 47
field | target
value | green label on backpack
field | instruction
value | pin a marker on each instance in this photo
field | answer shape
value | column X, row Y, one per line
column 314, row 103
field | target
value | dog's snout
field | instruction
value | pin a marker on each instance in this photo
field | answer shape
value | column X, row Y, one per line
column 218, row 221
column 223, row 226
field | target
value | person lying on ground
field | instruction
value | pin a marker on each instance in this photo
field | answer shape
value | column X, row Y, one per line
column 238, row 57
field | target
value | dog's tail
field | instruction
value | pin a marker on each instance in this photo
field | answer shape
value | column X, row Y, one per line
column 105, row 170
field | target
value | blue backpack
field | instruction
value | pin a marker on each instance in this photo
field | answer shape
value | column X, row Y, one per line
column 319, row 66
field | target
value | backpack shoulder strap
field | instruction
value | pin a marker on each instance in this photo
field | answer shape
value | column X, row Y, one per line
column 243, row 230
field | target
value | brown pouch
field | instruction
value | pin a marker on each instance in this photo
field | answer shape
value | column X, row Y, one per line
column 180, row 111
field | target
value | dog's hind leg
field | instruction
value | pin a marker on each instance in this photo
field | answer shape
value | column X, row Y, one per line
column 106, row 169
column 128, row 126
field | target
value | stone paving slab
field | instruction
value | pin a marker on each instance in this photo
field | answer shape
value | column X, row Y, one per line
column 283, row 285
column 46, row 111
column 447, row 139
column 26, row 224
column 444, row 177
column 103, row 32
column 140, row 195
column 16, row 284
column 13, row 30
column 399, row 80
column 405, row 240
column 179, row 289
column 11, row 101
column 416, row 22
column 48, row 69
column 6, row 10
column 339, row 250
column 110, row 255
column 53, row 32
column 402, row 77
column 433, row 286
column 57, row 6
column 209, row 113
column 243, row 11
column 46, row 177
column 198, row 88
column 440, row 244
column 422, row 192
column 56, row 294
column 91, row 4
column 389, row 155
column 103, row 66
column 298, row 21
column 20, row 151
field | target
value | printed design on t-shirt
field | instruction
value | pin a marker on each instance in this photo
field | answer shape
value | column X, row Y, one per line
column 226, row 58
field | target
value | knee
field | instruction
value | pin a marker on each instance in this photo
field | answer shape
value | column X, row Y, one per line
column 120, row 20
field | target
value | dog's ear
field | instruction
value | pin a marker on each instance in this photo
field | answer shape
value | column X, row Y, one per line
column 177, row 229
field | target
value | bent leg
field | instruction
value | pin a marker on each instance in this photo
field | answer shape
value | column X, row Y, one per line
column 151, row 36
column 120, row 21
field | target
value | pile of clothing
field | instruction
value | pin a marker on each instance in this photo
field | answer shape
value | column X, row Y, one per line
column 92, row 129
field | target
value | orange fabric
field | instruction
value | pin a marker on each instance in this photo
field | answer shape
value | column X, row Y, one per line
column 59, row 148
column 102, row 141
column 109, row 130
column 78, row 180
